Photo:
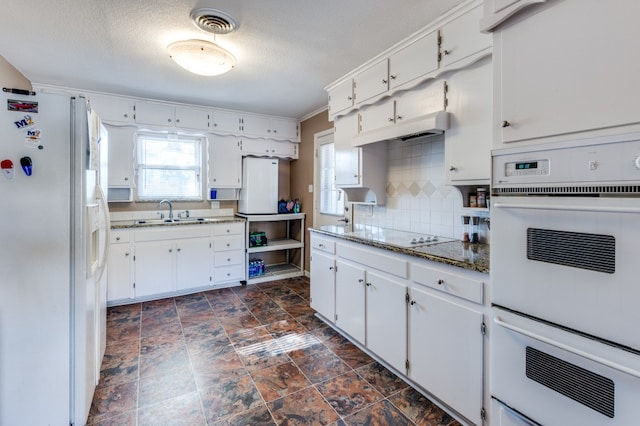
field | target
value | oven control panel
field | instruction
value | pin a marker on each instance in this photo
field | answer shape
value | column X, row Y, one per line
column 527, row 168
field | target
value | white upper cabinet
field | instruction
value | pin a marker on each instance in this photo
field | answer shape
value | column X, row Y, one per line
column 416, row 60
column 461, row 38
column 192, row 118
column 376, row 116
column 112, row 109
column 566, row 68
column 155, row 114
column 468, row 139
column 225, row 161
column 371, row 82
column 268, row 127
column 345, row 128
column 227, row 122
column 121, row 143
column 166, row 115
column 268, row 148
column 341, row 97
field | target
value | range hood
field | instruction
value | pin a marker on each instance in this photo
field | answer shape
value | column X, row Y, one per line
column 430, row 124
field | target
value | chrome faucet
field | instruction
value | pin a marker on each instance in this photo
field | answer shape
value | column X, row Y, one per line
column 170, row 207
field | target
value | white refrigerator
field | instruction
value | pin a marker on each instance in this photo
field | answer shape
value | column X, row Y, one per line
column 53, row 234
column 259, row 193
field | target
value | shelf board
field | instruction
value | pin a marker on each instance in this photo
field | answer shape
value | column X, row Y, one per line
column 279, row 271
column 274, row 245
column 271, row 217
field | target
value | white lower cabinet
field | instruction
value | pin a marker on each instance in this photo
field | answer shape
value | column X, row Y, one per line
column 323, row 282
column 161, row 261
column 387, row 319
column 423, row 318
column 154, row 268
column 193, row 263
column 120, row 267
column 350, row 300
column 446, row 351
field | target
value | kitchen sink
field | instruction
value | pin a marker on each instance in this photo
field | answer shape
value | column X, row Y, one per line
column 173, row 221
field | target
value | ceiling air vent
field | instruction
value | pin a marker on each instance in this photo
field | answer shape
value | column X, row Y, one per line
column 213, row 21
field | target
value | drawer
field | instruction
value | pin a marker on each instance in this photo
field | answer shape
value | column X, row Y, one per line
column 323, row 244
column 373, row 258
column 228, row 243
column 235, row 257
column 116, row 237
column 463, row 284
column 231, row 228
column 228, row 273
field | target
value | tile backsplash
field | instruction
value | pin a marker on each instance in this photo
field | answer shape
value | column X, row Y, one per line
column 417, row 198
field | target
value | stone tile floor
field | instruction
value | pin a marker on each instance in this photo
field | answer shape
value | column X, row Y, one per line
column 253, row 355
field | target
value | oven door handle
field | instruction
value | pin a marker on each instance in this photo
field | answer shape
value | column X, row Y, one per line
column 567, row 348
column 588, row 209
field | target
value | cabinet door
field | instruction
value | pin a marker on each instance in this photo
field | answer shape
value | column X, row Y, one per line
column 285, row 129
column 461, row 38
column 113, row 109
column 419, row 102
column 154, row 268
column 225, row 162
column 193, row 263
column 284, row 149
column 227, row 122
column 446, row 351
column 121, row 156
column 347, row 164
column 256, row 126
column 119, row 276
column 350, row 300
column 371, row 82
column 345, row 128
column 192, row 118
column 323, row 276
column 155, row 114
column 567, row 68
column 468, row 140
column 387, row 319
column 250, row 146
column 377, row 116
column 341, row 98
column 414, row 61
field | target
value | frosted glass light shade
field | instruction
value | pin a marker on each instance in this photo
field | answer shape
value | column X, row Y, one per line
column 201, row 57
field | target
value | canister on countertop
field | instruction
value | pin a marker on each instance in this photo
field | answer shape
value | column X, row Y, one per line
column 465, row 227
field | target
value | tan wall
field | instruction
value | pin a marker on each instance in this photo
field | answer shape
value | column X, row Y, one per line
column 12, row 78
column 302, row 170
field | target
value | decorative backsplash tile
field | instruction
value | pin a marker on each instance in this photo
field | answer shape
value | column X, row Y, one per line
column 417, row 198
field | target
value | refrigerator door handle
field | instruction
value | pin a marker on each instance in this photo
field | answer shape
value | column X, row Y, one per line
column 104, row 208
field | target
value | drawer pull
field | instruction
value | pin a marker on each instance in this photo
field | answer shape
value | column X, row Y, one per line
column 440, row 281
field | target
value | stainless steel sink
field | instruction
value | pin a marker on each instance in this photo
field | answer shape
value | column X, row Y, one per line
column 172, row 221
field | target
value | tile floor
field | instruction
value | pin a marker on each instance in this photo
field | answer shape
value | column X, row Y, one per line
column 253, row 355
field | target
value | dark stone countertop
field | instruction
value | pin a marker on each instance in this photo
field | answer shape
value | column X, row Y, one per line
column 474, row 257
column 137, row 224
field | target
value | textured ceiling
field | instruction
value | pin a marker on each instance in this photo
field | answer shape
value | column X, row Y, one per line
column 287, row 50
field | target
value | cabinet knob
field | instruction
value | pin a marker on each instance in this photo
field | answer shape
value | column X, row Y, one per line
column 275, row 131
column 360, row 280
column 228, row 259
column 126, row 115
column 355, row 176
column 179, row 249
column 440, row 281
column 117, row 238
column 331, row 268
column 126, row 254
column 399, row 117
column 169, row 120
column 368, row 284
column 452, row 168
column 126, row 178
column 505, row 123
column 413, row 302
column 393, row 77
column 228, row 244
column 446, row 52
column 384, row 81
column 170, row 250
column 390, row 119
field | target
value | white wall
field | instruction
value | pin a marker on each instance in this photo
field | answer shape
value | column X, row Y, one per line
column 417, row 198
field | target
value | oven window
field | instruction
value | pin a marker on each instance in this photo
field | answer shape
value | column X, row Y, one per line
column 592, row 252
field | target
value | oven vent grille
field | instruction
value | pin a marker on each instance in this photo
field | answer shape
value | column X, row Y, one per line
column 583, row 386
column 571, row 190
column 592, row 252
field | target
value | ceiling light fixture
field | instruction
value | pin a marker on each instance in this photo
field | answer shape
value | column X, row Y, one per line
column 201, row 57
